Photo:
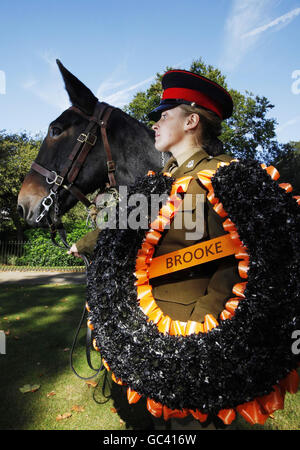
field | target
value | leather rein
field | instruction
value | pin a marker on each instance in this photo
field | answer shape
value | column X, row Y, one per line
column 65, row 179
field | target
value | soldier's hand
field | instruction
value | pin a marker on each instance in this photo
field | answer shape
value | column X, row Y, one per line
column 74, row 251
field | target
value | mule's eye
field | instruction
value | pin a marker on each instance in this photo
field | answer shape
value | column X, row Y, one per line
column 54, row 131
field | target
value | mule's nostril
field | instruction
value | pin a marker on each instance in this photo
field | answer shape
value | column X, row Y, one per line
column 20, row 210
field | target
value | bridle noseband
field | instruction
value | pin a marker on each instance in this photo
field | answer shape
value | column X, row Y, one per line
column 85, row 142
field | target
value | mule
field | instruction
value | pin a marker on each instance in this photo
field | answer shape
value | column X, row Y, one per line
column 130, row 142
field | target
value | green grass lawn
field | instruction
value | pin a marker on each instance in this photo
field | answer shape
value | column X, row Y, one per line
column 40, row 324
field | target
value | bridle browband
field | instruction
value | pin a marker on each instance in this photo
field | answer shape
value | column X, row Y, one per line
column 85, row 142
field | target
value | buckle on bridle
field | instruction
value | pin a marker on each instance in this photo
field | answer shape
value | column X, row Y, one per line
column 89, row 138
column 46, row 203
column 57, row 180
column 111, row 166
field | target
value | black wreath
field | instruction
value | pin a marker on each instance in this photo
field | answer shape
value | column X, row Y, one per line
column 243, row 357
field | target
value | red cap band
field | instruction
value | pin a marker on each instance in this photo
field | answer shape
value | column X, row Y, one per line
column 191, row 95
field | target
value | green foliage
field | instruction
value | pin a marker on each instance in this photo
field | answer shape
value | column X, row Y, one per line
column 249, row 133
column 17, row 151
column 296, row 146
column 289, row 168
column 39, row 250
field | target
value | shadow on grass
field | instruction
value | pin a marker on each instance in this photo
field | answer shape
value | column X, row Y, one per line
column 40, row 278
column 40, row 324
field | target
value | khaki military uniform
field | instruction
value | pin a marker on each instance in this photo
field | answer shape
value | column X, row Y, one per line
column 192, row 293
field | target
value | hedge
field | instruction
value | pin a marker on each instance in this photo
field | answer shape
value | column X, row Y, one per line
column 40, row 251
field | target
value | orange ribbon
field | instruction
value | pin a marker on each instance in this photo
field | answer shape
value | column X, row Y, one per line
column 191, row 256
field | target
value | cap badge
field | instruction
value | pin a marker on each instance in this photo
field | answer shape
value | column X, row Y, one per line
column 190, row 164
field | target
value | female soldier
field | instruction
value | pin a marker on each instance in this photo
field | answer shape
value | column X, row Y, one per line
column 188, row 123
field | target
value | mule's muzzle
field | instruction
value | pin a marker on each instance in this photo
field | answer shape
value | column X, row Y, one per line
column 30, row 214
column 30, row 199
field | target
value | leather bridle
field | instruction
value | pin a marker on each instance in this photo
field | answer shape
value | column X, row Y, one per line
column 65, row 179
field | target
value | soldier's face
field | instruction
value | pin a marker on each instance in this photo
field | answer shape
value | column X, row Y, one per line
column 169, row 130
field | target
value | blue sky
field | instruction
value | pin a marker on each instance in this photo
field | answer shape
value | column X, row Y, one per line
column 117, row 47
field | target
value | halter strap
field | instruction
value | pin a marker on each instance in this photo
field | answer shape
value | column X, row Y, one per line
column 110, row 163
column 78, row 155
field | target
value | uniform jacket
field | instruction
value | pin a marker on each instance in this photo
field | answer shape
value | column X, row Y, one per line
column 191, row 293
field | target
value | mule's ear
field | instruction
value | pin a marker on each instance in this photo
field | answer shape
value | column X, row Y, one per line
column 79, row 94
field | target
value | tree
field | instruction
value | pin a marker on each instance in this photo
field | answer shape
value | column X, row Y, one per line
column 296, row 146
column 17, row 151
column 247, row 134
column 289, row 168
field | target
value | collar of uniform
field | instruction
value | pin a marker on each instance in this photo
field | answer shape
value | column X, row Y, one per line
column 169, row 163
column 186, row 166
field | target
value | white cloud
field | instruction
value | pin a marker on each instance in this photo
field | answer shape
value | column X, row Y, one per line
column 49, row 93
column 288, row 124
column 247, row 20
column 114, row 81
column 243, row 17
column 49, row 59
column 50, row 90
column 120, row 98
column 108, row 86
column 52, row 96
column 124, row 96
column 29, row 83
column 295, row 87
column 112, row 90
column 282, row 20
column 289, row 130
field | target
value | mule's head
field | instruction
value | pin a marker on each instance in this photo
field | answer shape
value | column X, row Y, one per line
column 57, row 146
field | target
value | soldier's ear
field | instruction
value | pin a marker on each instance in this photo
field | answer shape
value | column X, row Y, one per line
column 191, row 121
